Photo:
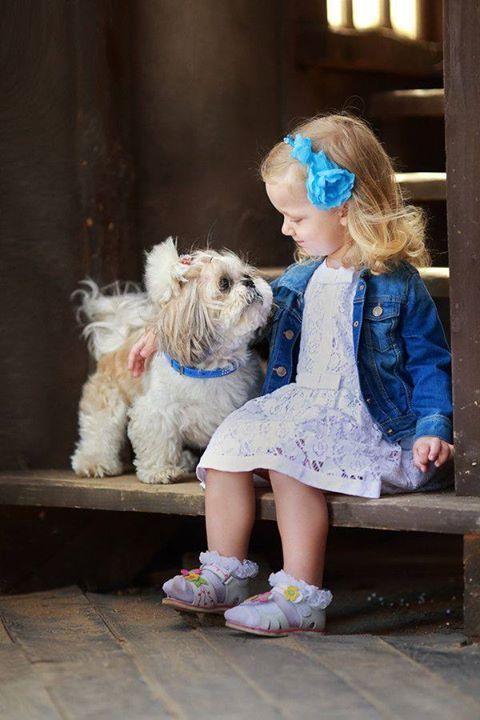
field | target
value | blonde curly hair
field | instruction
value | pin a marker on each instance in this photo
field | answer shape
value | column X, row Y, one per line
column 383, row 229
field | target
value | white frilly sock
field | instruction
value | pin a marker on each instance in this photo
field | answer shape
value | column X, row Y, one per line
column 314, row 596
column 239, row 568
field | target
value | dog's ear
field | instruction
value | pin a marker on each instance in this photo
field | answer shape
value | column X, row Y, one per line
column 163, row 271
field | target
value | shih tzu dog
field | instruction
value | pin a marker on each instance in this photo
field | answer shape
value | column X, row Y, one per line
column 207, row 309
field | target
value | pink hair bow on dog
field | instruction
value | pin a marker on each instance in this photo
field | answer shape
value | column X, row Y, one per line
column 181, row 266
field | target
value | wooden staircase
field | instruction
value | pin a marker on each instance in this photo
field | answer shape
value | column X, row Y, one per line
column 418, row 187
column 447, row 512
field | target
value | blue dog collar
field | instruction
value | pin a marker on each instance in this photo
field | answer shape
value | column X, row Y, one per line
column 196, row 373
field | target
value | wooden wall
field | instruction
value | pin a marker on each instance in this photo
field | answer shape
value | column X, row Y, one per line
column 462, row 98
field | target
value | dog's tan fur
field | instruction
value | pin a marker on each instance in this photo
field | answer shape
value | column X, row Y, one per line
column 112, row 372
column 200, row 323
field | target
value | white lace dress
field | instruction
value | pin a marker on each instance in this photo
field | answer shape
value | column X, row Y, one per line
column 318, row 428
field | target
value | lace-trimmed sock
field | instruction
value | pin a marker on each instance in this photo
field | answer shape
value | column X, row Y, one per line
column 219, row 583
column 291, row 606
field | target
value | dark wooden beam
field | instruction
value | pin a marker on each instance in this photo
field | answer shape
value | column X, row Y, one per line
column 421, row 102
column 440, row 512
column 101, row 36
column 462, row 140
column 379, row 50
column 471, row 598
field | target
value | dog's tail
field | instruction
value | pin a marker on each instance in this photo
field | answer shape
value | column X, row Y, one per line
column 110, row 314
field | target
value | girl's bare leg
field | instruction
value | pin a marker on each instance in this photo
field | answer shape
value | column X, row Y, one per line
column 302, row 518
column 229, row 511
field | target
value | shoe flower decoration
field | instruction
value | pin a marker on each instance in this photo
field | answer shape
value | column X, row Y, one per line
column 194, row 576
column 328, row 184
column 290, row 592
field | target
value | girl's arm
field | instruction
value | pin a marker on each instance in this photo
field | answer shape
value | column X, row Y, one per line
column 428, row 362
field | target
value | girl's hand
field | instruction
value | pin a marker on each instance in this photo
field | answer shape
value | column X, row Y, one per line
column 429, row 448
column 142, row 352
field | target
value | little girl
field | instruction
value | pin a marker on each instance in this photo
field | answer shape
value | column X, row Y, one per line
column 357, row 394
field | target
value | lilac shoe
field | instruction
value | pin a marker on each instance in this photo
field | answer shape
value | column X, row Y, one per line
column 291, row 606
column 218, row 584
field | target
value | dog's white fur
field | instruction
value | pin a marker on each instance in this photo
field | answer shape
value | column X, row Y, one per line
column 206, row 308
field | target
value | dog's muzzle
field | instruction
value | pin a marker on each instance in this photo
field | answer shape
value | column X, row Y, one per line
column 253, row 296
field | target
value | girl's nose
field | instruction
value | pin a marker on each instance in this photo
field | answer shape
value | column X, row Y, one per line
column 286, row 230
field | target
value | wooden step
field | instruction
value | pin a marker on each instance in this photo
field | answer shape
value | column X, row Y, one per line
column 435, row 278
column 423, row 186
column 408, row 103
column 441, row 512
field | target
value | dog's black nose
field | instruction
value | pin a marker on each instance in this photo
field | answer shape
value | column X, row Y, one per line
column 248, row 282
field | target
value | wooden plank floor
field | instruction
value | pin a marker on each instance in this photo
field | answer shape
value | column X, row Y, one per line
column 69, row 654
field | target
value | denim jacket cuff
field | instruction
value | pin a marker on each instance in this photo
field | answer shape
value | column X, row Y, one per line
column 435, row 426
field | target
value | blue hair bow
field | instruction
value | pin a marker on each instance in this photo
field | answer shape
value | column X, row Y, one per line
column 328, row 184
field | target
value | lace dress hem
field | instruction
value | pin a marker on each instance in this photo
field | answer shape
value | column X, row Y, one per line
column 327, row 482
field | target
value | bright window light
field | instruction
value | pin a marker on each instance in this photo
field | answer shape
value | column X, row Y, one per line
column 335, row 13
column 366, row 14
column 403, row 14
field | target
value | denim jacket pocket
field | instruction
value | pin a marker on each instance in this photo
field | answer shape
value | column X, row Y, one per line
column 380, row 318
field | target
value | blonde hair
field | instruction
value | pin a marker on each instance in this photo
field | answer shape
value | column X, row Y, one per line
column 382, row 228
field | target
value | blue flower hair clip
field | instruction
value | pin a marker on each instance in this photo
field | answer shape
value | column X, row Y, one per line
column 328, row 184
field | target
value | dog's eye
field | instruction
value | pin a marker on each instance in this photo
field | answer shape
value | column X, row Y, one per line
column 225, row 284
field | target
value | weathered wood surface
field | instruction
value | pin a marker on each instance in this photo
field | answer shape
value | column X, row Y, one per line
column 22, row 694
column 431, row 512
column 462, row 139
column 72, row 655
column 448, row 656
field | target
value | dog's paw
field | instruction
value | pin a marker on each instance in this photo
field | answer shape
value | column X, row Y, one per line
column 164, row 475
column 85, row 466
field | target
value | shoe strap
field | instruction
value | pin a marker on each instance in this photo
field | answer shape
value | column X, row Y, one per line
column 220, row 572
column 286, row 598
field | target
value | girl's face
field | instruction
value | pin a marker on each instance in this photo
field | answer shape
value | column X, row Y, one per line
column 318, row 232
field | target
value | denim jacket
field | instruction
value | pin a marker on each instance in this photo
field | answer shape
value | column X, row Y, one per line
column 402, row 355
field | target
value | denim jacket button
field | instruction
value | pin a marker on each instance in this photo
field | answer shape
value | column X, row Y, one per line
column 355, row 324
column 369, row 400
column 281, row 371
column 390, row 431
column 289, row 334
column 377, row 310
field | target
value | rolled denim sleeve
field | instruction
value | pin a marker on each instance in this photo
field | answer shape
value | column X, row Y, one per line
column 428, row 362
